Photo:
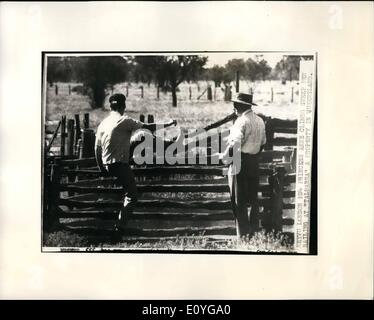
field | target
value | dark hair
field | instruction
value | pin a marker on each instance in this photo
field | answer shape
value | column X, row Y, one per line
column 117, row 101
column 241, row 107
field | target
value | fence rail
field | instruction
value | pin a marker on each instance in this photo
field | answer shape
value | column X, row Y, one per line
column 192, row 194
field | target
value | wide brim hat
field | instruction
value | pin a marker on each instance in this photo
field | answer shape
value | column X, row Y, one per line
column 245, row 99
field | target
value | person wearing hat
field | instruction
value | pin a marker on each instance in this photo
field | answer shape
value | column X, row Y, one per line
column 247, row 139
column 112, row 150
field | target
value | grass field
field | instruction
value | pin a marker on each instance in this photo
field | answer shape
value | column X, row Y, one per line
column 190, row 114
column 260, row 242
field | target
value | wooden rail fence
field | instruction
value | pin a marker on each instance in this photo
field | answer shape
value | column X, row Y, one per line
column 174, row 199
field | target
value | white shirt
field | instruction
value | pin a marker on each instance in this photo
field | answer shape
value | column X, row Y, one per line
column 113, row 135
column 248, row 131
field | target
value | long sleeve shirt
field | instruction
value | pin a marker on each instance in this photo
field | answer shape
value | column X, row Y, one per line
column 248, row 132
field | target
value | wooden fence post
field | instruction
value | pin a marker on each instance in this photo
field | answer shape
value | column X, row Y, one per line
column 86, row 121
column 63, row 129
column 186, row 154
column 127, row 91
column 50, row 215
column 158, row 92
column 46, row 190
column 77, row 133
column 88, row 143
column 142, row 92
column 56, row 89
column 48, row 147
column 292, row 95
column 209, row 150
column 276, row 182
column 151, row 119
column 142, row 139
column 209, row 93
column 69, row 88
column 272, row 95
column 269, row 131
column 220, row 142
column 70, row 138
column 227, row 93
column 197, row 150
column 190, row 92
column 70, row 149
column 237, row 81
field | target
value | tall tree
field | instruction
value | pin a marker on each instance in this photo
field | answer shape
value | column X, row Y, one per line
column 263, row 69
column 143, row 68
column 218, row 75
column 171, row 71
column 59, row 69
column 251, row 69
column 234, row 65
column 99, row 73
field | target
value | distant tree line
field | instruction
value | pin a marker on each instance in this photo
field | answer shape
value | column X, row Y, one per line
column 100, row 73
column 288, row 68
column 96, row 73
column 248, row 69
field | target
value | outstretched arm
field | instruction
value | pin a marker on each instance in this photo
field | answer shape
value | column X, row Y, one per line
column 229, row 152
column 226, row 153
column 234, row 140
column 155, row 126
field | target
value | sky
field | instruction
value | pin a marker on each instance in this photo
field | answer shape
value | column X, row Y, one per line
column 222, row 58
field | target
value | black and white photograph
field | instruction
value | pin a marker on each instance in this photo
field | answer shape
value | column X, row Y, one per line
column 178, row 151
column 186, row 150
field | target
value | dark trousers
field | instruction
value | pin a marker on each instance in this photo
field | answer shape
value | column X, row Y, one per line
column 125, row 178
column 244, row 187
